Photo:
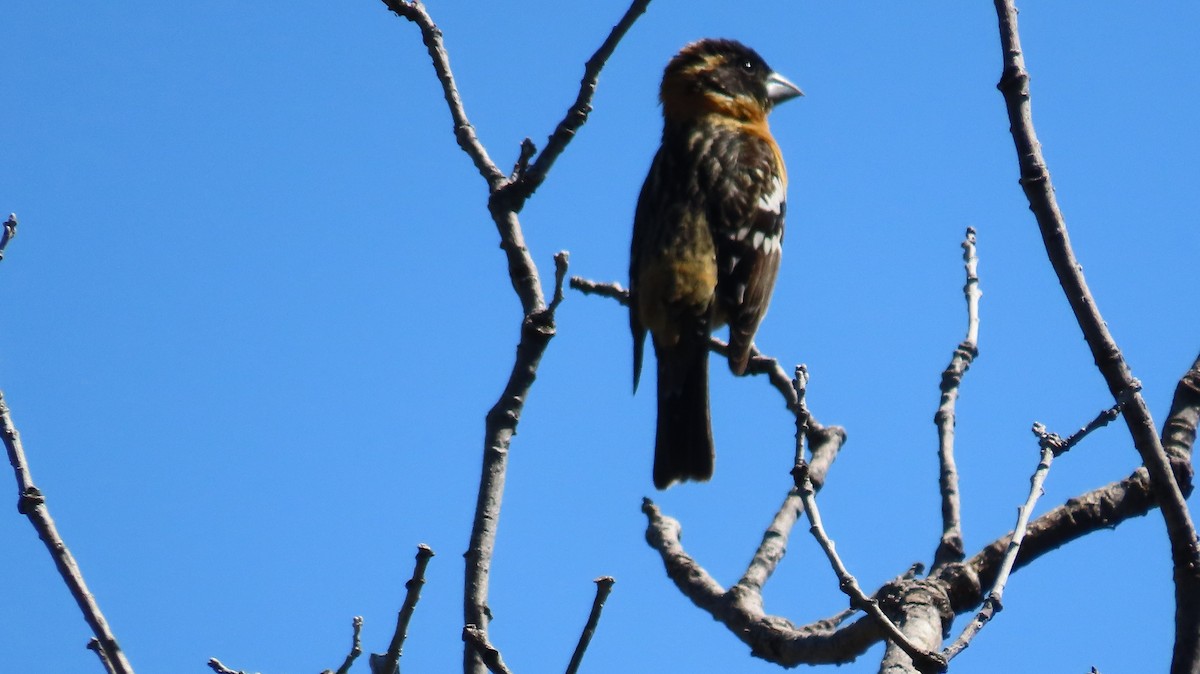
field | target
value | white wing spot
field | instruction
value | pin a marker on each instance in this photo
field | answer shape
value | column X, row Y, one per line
column 773, row 200
column 772, row 245
column 758, row 239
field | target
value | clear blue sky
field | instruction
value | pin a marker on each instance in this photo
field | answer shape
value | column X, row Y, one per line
column 256, row 312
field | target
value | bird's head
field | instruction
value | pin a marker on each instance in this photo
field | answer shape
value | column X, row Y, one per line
column 723, row 77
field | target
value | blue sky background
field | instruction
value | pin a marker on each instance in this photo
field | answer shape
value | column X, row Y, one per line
column 256, row 312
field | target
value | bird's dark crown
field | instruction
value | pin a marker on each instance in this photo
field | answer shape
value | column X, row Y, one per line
column 716, row 74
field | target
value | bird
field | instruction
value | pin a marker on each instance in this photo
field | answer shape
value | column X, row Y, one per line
column 707, row 235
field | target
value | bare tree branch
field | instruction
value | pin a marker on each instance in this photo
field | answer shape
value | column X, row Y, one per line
column 1102, row 508
column 501, row 423
column 778, row 640
column 8, row 233
column 604, row 585
column 923, row 657
column 1035, row 179
column 32, row 504
column 775, row 539
column 521, row 268
column 1061, row 446
column 953, row 588
column 993, row 604
column 527, row 181
column 950, row 549
column 477, row 641
column 771, row 638
column 464, row 132
column 507, row 196
column 609, row 290
column 355, row 648
column 740, row 608
column 390, row 662
column 1051, row 446
column 561, row 258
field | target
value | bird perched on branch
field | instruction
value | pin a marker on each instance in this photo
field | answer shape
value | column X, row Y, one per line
column 706, row 237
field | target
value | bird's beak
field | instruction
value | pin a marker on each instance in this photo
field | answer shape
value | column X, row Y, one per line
column 779, row 89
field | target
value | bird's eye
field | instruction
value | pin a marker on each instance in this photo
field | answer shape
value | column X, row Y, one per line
column 748, row 66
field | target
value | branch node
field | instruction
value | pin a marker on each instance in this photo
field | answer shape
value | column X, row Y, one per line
column 528, row 149
column 604, row 585
column 9, row 233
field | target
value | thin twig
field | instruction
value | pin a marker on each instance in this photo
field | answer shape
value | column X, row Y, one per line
column 390, row 664
column 1051, row 446
column 1035, row 179
column 1102, row 508
column 521, row 269
column 823, row 448
column 604, row 585
column 355, row 648
column 577, row 114
column 609, row 290
column 993, row 604
column 800, row 386
column 8, row 233
column 1062, row 446
column 561, row 258
column 950, row 548
column 464, row 132
column 32, row 503
column 848, row 584
column 528, row 149
column 477, row 640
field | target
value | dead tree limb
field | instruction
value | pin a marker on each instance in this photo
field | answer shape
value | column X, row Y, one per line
column 32, row 503
column 1035, row 179
column 506, row 197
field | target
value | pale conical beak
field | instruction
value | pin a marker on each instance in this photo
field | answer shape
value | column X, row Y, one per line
column 779, row 89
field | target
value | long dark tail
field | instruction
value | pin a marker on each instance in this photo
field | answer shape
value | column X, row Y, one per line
column 683, row 446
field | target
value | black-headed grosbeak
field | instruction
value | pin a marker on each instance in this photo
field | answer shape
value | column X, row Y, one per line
column 706, row 237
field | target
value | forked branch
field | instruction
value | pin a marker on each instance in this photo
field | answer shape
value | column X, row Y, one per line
column 507, row 196
column 925, row 660
column 1035, row 179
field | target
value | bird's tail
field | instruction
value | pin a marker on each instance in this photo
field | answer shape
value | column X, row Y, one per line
column 683, row 446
